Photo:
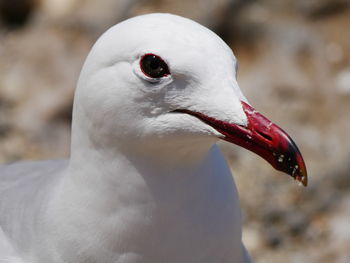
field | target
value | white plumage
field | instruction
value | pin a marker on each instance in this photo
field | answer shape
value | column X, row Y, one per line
column 143, row 184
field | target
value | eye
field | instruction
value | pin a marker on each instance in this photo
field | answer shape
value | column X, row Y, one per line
column 154, row 66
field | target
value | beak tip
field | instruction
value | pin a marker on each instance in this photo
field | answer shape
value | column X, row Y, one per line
column 301, row 177
column 302, row 180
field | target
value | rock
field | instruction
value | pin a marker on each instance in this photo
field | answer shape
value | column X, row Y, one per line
column 273, row 238
column 342, row 81
column 297, row 222
column 317, row 9
column 15, row 13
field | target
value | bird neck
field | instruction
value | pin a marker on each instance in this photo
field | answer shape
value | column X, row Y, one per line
column 134, row 194
column 130, row 197
column 150, row 158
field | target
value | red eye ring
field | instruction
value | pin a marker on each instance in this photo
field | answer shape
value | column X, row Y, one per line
column 154, row 66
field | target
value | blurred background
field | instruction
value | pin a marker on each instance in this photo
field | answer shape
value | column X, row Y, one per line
column 294, row 67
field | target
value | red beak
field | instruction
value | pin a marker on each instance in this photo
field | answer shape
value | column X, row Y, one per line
column 262, row 137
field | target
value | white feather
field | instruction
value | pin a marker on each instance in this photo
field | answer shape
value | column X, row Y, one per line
column 143, row 185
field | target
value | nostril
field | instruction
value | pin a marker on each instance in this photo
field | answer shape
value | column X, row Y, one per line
column 266, row 136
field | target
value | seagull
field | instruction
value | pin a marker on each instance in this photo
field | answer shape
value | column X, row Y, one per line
column 145, row 181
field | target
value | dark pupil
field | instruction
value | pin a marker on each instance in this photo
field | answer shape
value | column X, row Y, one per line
column 154, row 66
column 154, row 63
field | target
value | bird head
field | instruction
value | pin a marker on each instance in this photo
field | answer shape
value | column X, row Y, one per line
column 158, row 79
